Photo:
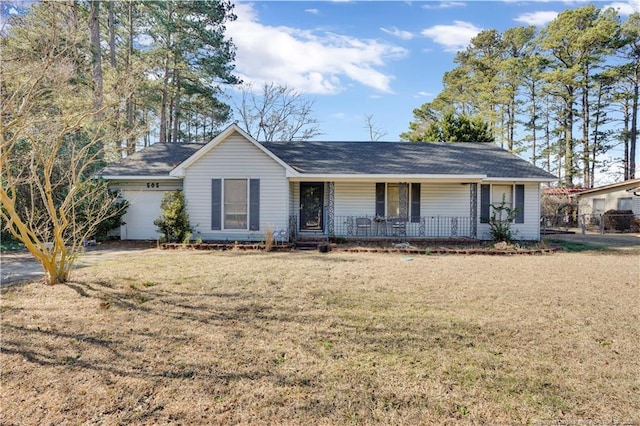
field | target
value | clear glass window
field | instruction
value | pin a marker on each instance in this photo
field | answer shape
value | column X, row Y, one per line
column 625, row 203
column 235, row 204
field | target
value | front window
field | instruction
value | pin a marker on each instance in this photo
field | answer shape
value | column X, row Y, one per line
column 502, row 193
column 598, row 206
column 625, row 203
column 235, row 204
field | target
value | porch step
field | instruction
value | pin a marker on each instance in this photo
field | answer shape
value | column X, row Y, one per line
column 309, row 244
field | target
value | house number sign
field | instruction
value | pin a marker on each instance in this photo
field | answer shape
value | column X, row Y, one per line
column 153, row 185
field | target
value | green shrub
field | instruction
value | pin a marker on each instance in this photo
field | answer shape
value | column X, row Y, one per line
column 174, row 221
column 502, row 217
column 618, row 220
column 117, row 209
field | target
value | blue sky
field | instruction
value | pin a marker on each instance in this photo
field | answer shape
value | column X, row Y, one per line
column 381, row 58
column 357, row 58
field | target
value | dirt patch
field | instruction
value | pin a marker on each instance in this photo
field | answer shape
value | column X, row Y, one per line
column 195, row 337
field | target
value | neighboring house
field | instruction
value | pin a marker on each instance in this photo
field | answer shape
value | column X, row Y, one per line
column 618, row 196
column 237, row 189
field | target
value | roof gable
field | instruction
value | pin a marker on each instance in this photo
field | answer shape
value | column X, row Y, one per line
column 179, row 171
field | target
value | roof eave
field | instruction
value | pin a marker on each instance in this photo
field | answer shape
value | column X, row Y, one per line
column 137, row 177
column 383, row 176
column 521, row 179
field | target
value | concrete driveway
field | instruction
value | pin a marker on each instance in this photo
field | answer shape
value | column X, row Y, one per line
column 17, row 267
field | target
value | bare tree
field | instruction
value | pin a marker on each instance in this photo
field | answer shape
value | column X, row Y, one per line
column 50, row 145
column 277, row 113
column 375, row 133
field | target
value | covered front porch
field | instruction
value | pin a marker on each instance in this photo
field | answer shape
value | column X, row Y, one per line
column 384, row 210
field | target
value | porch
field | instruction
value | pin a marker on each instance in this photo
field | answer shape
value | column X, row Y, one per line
column 392, row 228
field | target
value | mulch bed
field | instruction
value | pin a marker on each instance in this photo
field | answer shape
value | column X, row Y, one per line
column 370, row 249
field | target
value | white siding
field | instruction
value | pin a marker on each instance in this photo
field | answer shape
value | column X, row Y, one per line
column 355, row 199
column 530, row 229
column 236, row 158
column 436, row 199
column 585, row 203
column 445, row 199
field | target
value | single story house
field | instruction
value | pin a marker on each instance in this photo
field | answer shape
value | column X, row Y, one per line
column 618, row 196
column 237, row 189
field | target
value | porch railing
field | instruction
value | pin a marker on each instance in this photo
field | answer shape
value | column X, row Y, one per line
column 391, row 227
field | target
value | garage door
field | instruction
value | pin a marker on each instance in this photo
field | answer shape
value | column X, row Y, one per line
column 144, row 208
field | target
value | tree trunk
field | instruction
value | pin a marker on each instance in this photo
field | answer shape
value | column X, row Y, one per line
column 547, row 135
column 596, row 137
column 96, row 54
column 633, row 137
column 112, row 35
column 586, row 151
column 534, row 113
column 176, row 108
column 163, row 103
column 568, row 139
column 131, row 142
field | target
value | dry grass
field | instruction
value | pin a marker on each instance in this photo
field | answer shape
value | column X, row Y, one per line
column 305, row 338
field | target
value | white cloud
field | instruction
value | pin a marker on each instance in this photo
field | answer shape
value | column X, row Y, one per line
column 424, row 94
column 536, row 18
column 312, row 11
column 303, row 60
column 404, row 35
column 452, row 37
column 625, row 8
column 444, row 5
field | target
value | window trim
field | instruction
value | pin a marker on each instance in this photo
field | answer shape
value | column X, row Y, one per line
column 517, row 189
column 224, row 203
column 593, row 206
column 629, row 200
column 382, row 205
column 218, row 204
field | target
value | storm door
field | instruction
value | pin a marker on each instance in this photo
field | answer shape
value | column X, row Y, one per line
column 311, row 206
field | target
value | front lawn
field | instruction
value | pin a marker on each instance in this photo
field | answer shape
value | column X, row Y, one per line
column 191, row 337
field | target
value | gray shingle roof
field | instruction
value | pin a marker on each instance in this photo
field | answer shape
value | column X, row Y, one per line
column 156, row 160
column 387, row 158
column 405, row 158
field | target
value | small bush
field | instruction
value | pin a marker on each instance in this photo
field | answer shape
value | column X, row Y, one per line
column 117, row 209
column 500, row 222
column 618, row 220
column 174, row 222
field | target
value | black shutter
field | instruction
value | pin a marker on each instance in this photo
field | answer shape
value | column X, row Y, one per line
column 380, row 188
column 520, row 203
column 415, row 202
column 216, row 204
column 254, row 204
column 485, row 200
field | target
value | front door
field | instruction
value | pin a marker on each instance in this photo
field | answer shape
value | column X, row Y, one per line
column 311, row 206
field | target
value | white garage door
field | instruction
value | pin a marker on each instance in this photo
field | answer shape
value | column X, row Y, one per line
column 144, row 208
